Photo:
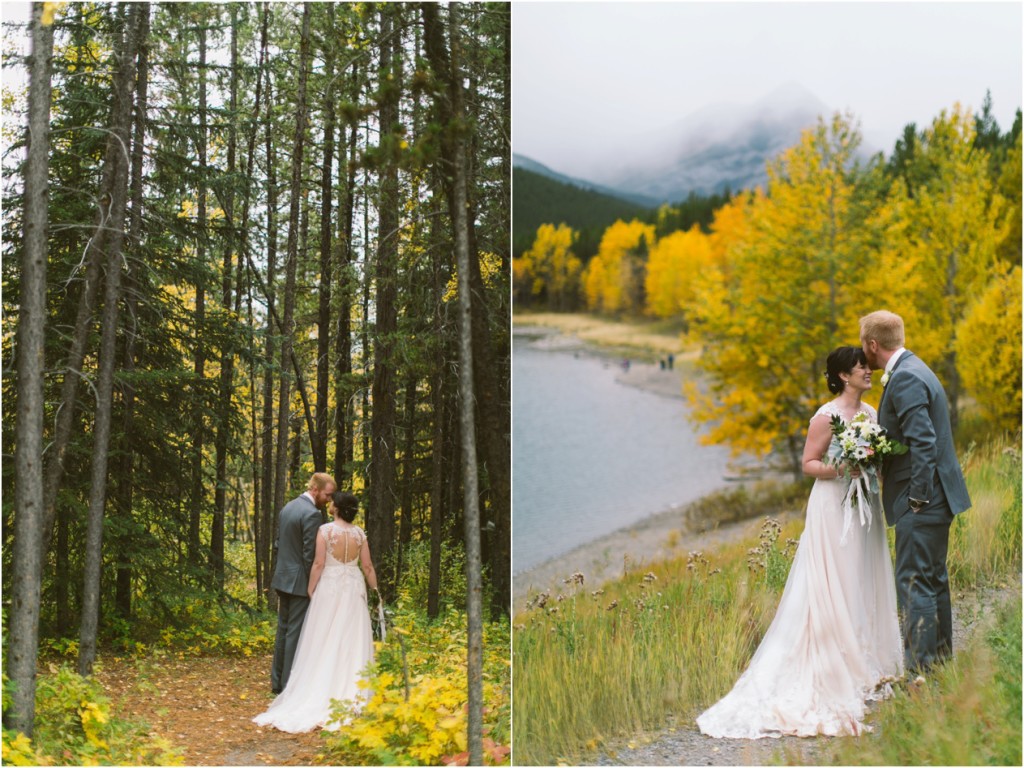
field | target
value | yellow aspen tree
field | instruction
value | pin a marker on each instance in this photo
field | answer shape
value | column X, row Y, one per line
column 715, row 288
column 614, row 279
column 552, row 267
column 673, row 266
column 593, row 284
column 522, row 282
column 1010, row 188
column 794, row 291
column 988, row 349
column 940, row 244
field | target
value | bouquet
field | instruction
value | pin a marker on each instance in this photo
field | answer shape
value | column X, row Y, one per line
column 379, row 619
column 859, row 444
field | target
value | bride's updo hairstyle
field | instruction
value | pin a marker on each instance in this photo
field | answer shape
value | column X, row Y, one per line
column 842, row 360
column 346, row 504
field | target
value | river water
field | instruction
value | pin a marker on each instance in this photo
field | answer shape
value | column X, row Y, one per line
column 591, row 455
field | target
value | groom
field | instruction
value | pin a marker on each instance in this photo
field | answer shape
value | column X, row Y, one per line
column 297, row 524
column 922, row 491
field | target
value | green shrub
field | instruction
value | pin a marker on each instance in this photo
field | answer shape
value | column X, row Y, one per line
column 74, row 726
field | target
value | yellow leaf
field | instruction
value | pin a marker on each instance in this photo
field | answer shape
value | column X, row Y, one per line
column 49, row 9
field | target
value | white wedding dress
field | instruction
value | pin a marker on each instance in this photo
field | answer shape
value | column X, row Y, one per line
column 336, row 642
column 834, row 637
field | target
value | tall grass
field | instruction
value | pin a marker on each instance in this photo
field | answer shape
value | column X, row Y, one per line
column 985, row 541
column 967, row 713
column 588, row 664
column 593, row 664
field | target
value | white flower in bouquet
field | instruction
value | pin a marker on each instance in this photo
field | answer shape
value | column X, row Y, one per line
column 859, row 444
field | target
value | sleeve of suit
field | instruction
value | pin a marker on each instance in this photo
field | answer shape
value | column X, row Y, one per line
column 912, row 403
column 310, row 525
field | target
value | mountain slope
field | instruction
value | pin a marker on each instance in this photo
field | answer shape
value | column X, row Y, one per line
column 528, row 164
column 538, row 199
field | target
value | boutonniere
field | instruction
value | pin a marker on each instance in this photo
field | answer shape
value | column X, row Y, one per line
column 885, row 379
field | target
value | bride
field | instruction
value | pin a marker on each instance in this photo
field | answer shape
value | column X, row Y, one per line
column 336, row 642
column 835, row 636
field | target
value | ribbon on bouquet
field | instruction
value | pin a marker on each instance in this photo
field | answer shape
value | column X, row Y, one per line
column 856, row 493
column 381, row 624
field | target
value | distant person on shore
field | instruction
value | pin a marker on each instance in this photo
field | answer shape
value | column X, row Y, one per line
column 834, row 643
column 671, row 360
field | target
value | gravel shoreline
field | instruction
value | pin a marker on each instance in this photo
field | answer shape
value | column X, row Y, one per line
column 656, row 537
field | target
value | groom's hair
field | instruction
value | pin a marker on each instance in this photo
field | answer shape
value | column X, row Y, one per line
column 884, row 327
column 320, row 480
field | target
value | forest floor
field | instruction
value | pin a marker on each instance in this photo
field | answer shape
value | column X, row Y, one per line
column 204, row 706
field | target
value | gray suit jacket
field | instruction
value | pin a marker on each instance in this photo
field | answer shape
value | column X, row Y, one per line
column 296, row 545
column 914, row 410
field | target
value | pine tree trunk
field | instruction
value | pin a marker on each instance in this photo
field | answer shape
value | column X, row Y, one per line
column 27, row 567
column 65, row 619
column 367, row 411
column 492, row 392
column 260, row 464
column 408, row 473
column 228, row 354
column 344, row 450
column 199, row 386
column 467, row 422
column 270, row 485
column 323, row 341
column 115, row 159
column 381, row 512
column 67, row 411
column 126, row 466
column 291, row 263
column 493, row 398
column 438, row 403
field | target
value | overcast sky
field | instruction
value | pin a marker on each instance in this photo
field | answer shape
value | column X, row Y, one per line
column 587, row 74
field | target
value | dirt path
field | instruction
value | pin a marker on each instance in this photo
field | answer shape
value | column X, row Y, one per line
column 204, row 706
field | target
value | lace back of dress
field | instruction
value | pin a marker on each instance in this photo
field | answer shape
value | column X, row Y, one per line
column 344, row 543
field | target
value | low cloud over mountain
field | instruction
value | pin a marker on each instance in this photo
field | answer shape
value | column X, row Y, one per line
column 721, row 146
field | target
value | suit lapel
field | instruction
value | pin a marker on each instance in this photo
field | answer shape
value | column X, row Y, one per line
column 899, row 362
